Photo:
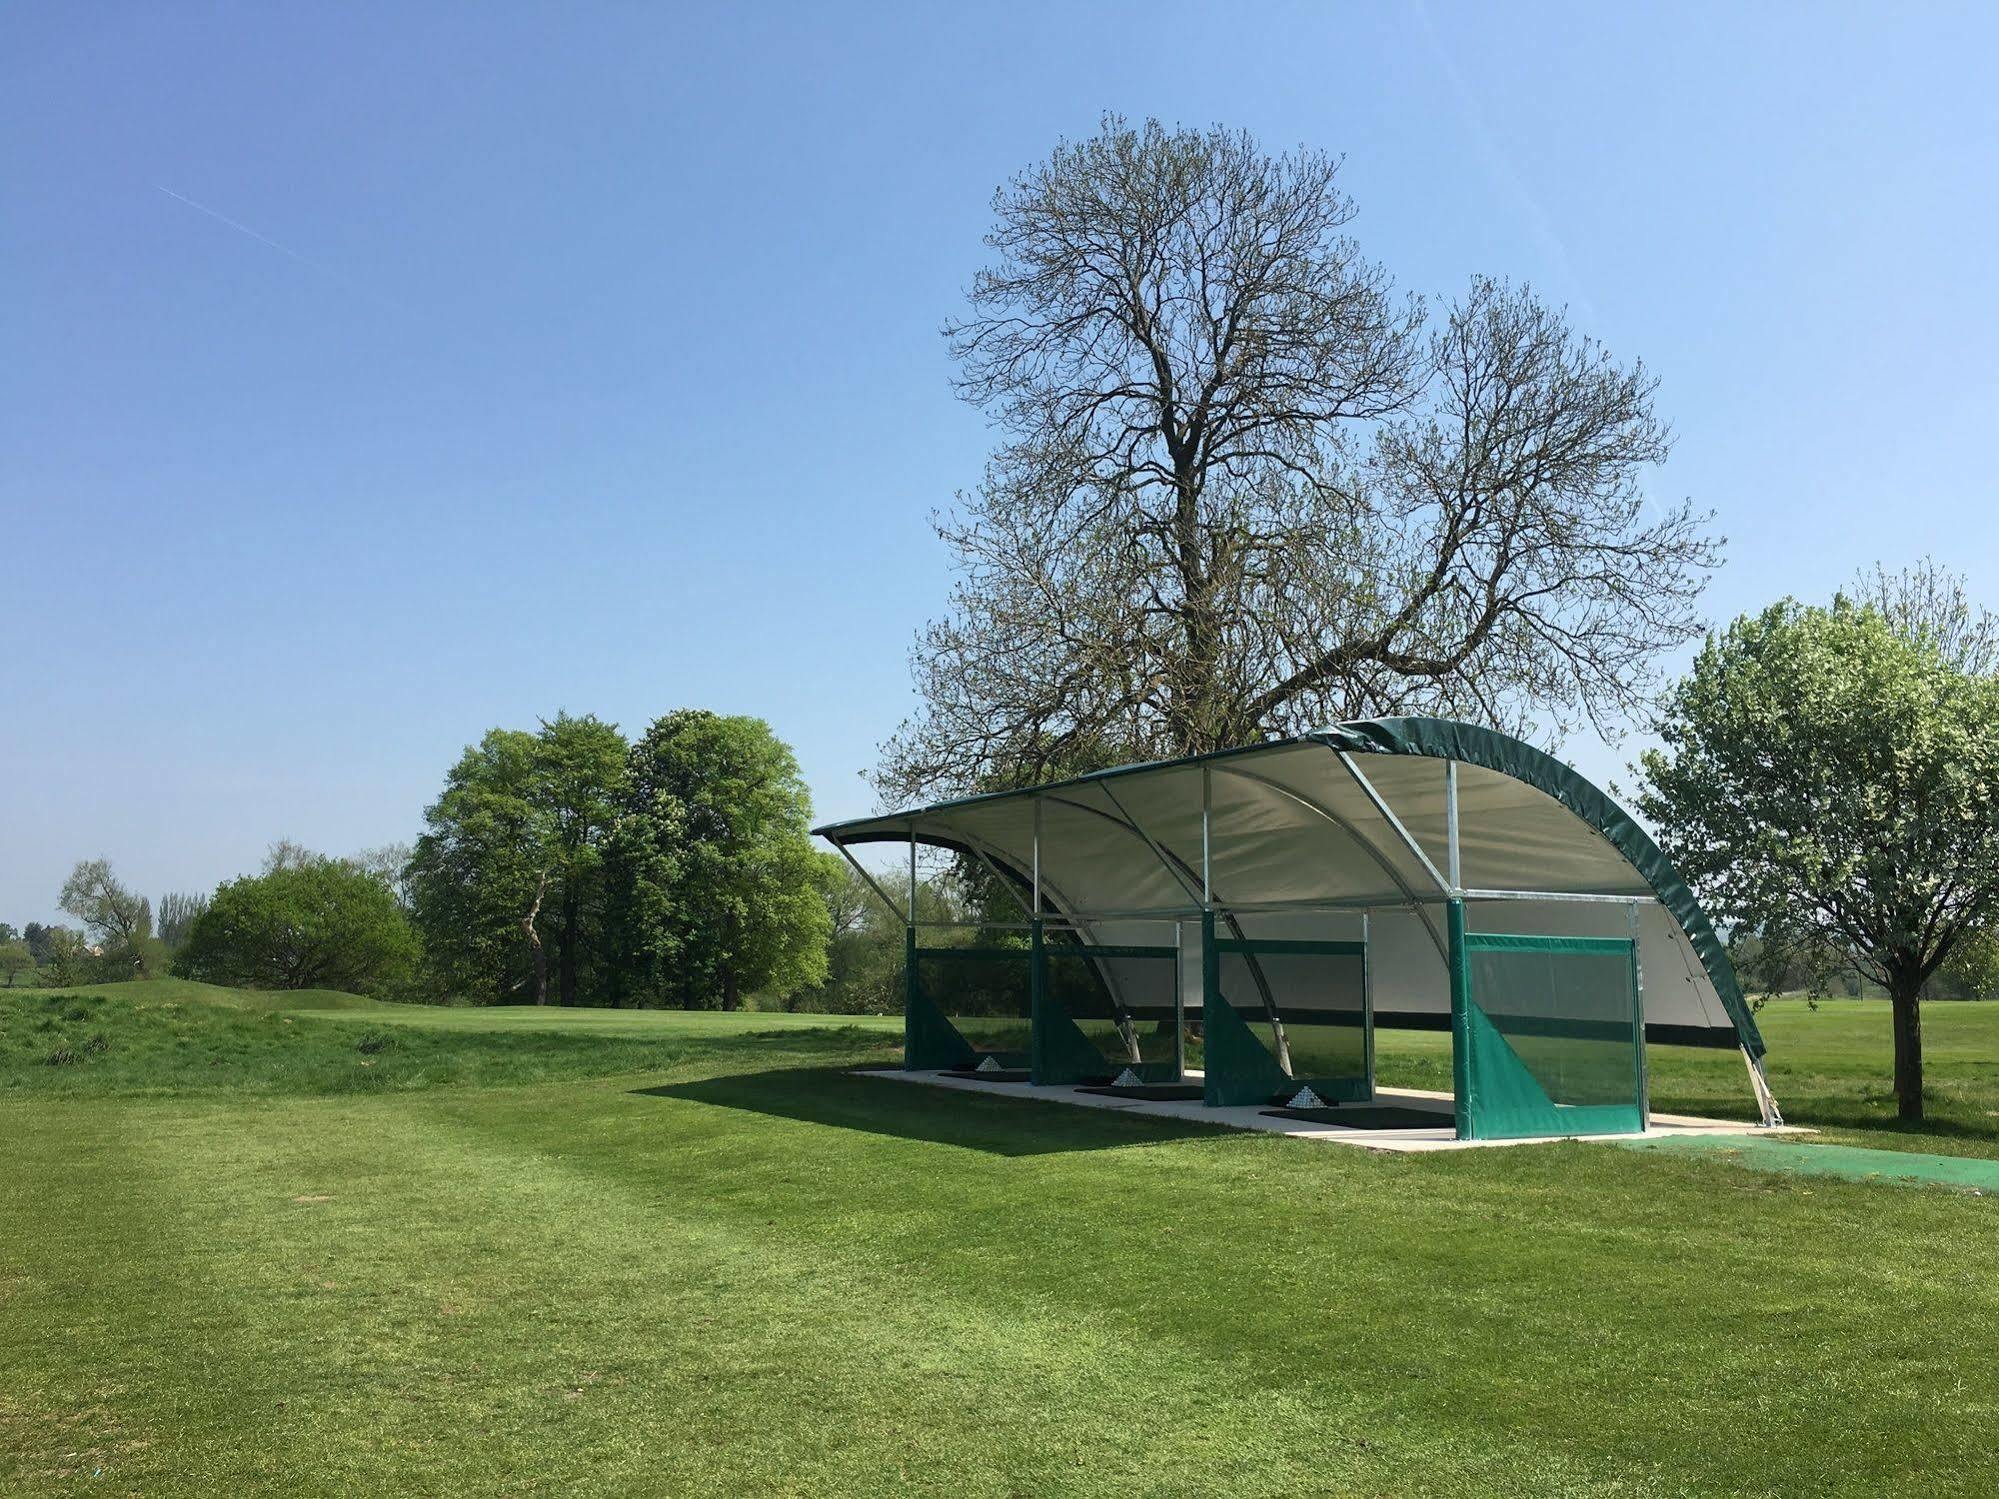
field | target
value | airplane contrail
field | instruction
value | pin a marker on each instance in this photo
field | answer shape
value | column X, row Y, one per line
column 264, row 239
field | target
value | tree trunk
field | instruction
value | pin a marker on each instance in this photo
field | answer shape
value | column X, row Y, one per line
column 571, row 917
column 534, row 943
column 1904, row 999
column 731, row 995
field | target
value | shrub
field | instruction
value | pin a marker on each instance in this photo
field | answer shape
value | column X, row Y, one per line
column 318, row 925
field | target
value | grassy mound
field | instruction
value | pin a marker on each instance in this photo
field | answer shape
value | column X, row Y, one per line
column 193, row 992
column 169, row 1036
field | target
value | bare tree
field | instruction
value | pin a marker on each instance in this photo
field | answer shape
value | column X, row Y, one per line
column 389, row 863
column 289, row 853
column 1244, row 488
column 1929, row 603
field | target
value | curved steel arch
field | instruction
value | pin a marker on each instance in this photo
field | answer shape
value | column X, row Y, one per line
column 1366, row 845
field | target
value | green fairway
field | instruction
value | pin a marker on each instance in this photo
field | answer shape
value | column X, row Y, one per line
column 616, row 1252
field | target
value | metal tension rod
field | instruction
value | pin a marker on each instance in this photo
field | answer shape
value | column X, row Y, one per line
column 1166, row 862
column 1036, row 858
column 1582, row 896
column 994, row 870
column 1453, row 865
column 1366, row 845
column 1389, row 817
column 893, row 909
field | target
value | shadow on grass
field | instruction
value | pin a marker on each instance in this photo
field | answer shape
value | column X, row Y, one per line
column 937, row 1116
column 1828, row 1114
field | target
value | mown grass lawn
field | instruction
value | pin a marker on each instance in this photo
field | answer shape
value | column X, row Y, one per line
column 692, row 1255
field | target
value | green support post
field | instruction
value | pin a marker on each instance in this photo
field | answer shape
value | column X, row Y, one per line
column 911, row 1042
column 1460, row 1019
column 1037, row 1002
column 930, row 1042
column 1211, row 970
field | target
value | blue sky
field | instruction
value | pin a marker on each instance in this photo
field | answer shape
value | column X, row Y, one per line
column 376, row 374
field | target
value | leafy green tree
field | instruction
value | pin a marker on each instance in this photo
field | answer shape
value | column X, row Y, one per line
column 864, row 954
column 480, row 873
column 309, row 925
column 8, row 934
column 581, row 772
column 519, row 832
column 863, row 950
column 1831, row 782
column 15, row 960
column 717, row 891
column 37, row 937
column 65, row 956
column 121, row 920
column 1972, row 969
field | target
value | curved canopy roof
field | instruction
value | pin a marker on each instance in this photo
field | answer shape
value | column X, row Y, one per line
column 1346, row 820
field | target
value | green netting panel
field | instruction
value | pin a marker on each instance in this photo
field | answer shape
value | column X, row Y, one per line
column 1238, row 1068
column 1312, row 993
column 1104, row 1009
column 1552, row 1036
column 964, row 1004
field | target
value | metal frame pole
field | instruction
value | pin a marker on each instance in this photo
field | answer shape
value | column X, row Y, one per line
column 1766, row 1101
column 1388, row 816
column 1461, row 1099
column 910, row 982
column 1453, row 863
column 1367, row 1000
column 1037, row 1001
column 1207, row 844
column 1638, row 1021
column 1012, row 889
column 1179, row 1002
column 1037, row 857
column 881, row 894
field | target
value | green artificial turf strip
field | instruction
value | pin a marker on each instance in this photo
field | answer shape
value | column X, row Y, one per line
column 1815, row 1158
column 744, row 1270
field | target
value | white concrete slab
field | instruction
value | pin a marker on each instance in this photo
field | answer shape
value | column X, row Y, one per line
column 1443, row 1136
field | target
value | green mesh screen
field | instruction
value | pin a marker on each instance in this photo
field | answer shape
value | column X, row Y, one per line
column 1106, row 1008
column 1269, row 1001
column 1553, row 1034
column 965, row 1004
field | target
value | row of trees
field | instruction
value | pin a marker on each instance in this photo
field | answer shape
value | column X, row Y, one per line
column 116, row 936
column 567, row 863
column 674, row 870
column 303, row 921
